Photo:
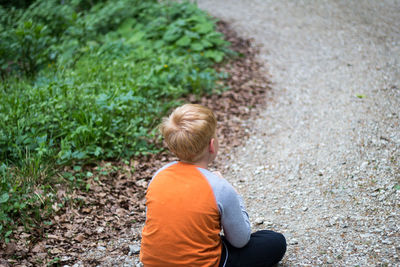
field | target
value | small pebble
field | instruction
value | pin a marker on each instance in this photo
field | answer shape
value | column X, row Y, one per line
column 133, row 249
column 101, row 248
column 259, row 221
column 269, row 223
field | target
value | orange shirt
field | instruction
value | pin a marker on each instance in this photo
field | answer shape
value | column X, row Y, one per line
column 182, row 219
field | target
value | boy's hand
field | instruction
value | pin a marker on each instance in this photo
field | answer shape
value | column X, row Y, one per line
column 218, row 174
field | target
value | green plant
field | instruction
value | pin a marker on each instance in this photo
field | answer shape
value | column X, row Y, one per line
column 22, row 202
column 84, row 81
column 108, row 101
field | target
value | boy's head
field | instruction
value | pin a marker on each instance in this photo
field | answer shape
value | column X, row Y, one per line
column 188, row 131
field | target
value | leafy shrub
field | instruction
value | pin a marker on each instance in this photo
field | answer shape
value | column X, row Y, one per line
column 103, row 96
column 83, row 82
column 21, row 202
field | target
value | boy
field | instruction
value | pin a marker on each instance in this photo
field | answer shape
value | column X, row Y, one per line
column 187, row 205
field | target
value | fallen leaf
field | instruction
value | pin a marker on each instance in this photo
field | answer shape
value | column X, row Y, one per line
column 80, row 237
column 86, row 210
column 11, row 248
column 53, row 236
column 360, row 96
column 38, row 248
column 56, row 251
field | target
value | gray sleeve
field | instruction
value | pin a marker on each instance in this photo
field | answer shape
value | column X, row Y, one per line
column 234, row 218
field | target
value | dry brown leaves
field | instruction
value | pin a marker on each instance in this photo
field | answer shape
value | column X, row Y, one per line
column 114, row 204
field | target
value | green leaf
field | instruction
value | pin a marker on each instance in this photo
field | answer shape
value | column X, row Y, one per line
column 172, row 34
column 4, row 198
column 206, row 43
column 215, row 38
column 192, row 35
column 204, row 28
column 215, row 55
column 360, row 96
column 184, row 41
column 8, row 233
column 126, row 26
column 136, row 37
column 77, row 168
column 197, row 46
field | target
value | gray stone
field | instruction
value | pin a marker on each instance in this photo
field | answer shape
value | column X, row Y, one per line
column 329, row 260
column 134, row 249
column 259, row 221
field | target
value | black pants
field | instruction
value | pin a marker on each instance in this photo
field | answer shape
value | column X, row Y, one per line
column 265, row 248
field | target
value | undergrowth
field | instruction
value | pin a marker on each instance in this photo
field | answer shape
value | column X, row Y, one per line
column 83, row 82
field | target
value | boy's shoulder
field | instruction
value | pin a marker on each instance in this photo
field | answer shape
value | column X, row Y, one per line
column 165, row 167
column 190, row 168
column 216, row 182
column 221, row 188
column 181, row 165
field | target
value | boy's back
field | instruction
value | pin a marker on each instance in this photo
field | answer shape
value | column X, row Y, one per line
column 183, row 220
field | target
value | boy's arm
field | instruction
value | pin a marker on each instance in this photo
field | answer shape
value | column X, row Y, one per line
column 234, row 218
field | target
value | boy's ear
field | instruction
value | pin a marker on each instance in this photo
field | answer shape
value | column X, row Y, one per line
column 211, row 147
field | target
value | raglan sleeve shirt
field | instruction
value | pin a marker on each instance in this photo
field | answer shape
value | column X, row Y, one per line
column 186, row 208
column 234, row 218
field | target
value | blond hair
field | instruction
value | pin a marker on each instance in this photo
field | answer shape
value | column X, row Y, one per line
column 188, row 131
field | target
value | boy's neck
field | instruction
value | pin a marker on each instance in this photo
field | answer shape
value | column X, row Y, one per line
column 202, row 162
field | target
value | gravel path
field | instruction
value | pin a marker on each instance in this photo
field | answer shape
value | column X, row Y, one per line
column 323, row 163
